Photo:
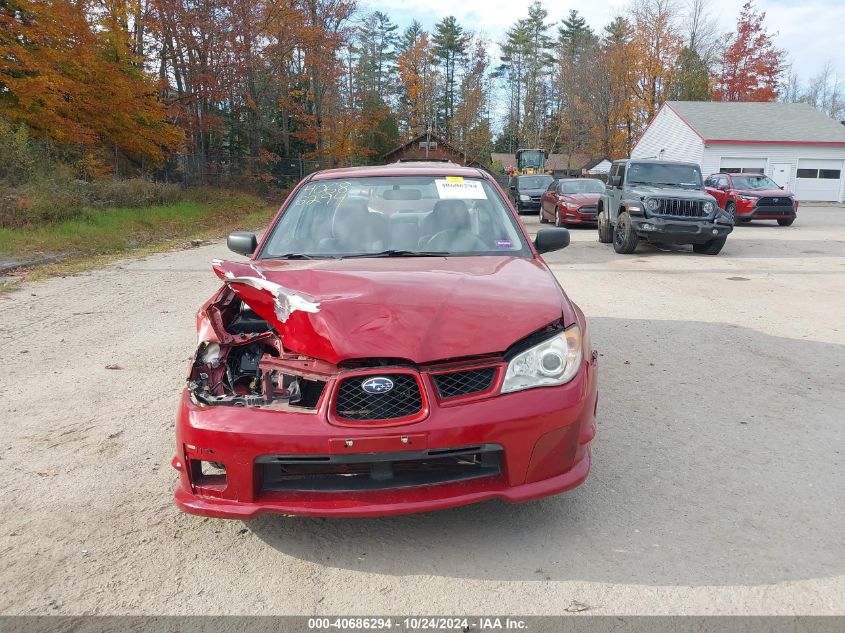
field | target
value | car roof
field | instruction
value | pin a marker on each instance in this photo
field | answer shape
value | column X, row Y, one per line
column 656, row 161
column 412, row 168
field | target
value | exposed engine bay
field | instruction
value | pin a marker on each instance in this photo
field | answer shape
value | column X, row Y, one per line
column 242, row 362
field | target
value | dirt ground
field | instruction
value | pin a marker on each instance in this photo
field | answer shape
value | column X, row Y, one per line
column 718, row 483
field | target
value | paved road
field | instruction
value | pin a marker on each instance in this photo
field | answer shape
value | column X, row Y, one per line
column 718, row 484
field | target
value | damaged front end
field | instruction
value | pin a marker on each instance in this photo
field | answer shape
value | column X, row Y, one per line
column 241, row 361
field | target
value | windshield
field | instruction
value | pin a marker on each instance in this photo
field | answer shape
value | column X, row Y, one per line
column 664, row 174
column 535, row 182
column 586, row 185
column 754, row 182
column 401, row 216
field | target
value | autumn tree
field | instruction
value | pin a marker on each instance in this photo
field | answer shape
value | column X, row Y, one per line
column 417, row 78
column 80, row 87
column 471, row 122
column 751, row 66
column 657, row 43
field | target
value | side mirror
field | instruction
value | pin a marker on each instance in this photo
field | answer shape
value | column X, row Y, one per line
column 616, row 181
column 549, row 240
column 723, row 187
column 242, row 242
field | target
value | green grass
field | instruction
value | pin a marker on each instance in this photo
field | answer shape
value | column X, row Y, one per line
column 119, row 230
column 102, row 235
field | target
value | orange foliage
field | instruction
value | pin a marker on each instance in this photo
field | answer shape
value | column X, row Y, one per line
column 75, row 85
column 751, row 66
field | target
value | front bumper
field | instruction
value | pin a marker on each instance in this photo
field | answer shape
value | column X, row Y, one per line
column 528, row 204
column 544, row 435
column 679, row 230
column 753, row 212
column 576, row 217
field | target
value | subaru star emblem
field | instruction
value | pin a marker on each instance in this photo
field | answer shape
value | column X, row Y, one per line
column 377, row 384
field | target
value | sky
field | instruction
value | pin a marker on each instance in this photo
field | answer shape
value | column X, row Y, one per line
column 811, row 31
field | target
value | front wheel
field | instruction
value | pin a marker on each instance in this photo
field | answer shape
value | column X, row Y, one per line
column 543, row 219
column 713, row 247
column 557, row 217
column 605, row 229
column 730, row 208
column 786, row 221
column 624, row 237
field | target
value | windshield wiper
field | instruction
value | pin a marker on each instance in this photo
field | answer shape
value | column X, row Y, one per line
column 398, row 253
column 296, row 256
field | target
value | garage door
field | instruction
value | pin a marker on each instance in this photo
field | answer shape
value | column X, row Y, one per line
column 818, row 179
column 738, row 165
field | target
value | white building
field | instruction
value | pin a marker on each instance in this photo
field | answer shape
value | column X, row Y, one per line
column 793, row 143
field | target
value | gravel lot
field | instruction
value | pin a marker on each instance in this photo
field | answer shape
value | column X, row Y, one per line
column 718, row 483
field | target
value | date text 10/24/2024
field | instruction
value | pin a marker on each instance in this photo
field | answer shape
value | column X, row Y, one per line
column 417, row 624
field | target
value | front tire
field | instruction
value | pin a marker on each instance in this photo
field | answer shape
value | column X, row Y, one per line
column 557, row 217
column 731, row 210
column 786, row 221
column 543, row 219
column 605, row 229
column 624, row 237
column 713, row 247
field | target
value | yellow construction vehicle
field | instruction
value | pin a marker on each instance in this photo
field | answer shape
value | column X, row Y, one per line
column 530, row 161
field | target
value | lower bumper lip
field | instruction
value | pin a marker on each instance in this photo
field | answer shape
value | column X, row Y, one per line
column 384, row 503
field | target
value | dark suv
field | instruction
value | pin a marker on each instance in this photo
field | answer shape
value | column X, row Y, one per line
column 526, row 191
column 660, row 202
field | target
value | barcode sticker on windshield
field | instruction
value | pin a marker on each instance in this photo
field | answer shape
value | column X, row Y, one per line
column 466, row 190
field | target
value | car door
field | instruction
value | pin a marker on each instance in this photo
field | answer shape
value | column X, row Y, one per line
column 614, row 192
column 549, row 199
column 718, row 189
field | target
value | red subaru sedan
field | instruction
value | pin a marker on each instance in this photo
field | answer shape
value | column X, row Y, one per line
column 394, row 343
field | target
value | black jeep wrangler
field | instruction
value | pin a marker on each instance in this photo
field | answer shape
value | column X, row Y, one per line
column 660, row 202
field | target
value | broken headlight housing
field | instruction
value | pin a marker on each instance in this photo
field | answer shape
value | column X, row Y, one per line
column 555, row 361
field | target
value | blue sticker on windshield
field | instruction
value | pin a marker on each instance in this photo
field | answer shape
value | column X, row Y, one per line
column 504, row 243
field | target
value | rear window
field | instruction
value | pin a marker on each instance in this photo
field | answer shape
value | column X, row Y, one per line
column 415, row 214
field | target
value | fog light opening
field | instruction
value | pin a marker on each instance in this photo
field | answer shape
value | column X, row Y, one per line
column 208, row 476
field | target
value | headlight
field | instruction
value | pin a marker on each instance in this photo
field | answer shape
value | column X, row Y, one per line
column 652, row 204
column 571, row 205
column 747, row 197
column 555, row 361
column 708, row 207
column 524, row 198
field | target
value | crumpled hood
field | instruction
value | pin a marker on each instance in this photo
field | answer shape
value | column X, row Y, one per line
column 418, row 308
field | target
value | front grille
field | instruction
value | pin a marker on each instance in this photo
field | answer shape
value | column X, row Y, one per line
column 353, row 403
column 681, row 208
column 588, row 210
column 462, row 383
column 378, row 471
column 774, row 205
